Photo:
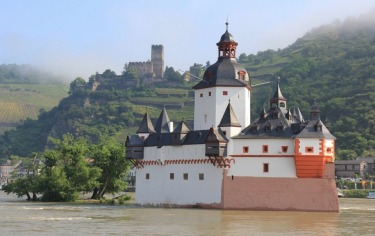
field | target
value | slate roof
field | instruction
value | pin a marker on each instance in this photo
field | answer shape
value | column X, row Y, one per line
column 223, row 73
column 311, row 130
column 229, row 118
column 273, row 125
column 181, row 128
column 369, row 160
column 297, row 113
column 146, row 125
column 226, row 38
column 165, row 139
column 162, row 124
column 133, row 141
column 216, row 135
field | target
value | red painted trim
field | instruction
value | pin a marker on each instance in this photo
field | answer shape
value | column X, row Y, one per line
column 232, row 86
column 260, row 156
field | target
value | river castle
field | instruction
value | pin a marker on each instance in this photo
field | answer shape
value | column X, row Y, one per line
column 279, row 161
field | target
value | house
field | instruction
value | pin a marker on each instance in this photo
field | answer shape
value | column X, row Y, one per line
column 280, row 161
column 361, row 166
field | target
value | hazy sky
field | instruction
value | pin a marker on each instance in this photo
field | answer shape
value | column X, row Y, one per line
column 81, row 37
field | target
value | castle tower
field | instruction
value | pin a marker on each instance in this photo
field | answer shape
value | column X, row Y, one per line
column 157, row 59
column 223, row 81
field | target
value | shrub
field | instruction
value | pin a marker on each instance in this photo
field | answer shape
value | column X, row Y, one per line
column 356, row 193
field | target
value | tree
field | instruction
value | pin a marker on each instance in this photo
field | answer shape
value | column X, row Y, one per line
column 77, row 85
column 28, row 184
column 109, row 156
column 171, row 75
column 197, row 70
column 68, row 171
column 109, row 74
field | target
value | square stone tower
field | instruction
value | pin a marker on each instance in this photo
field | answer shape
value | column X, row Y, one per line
column 157, row 59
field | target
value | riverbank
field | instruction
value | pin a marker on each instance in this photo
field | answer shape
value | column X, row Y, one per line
column 110, row 199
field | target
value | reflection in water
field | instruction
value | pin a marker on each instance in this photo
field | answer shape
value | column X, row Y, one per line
column 24, row 218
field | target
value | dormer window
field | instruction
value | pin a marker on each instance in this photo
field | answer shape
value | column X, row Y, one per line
column 254, row 128
column 268, row 127
column 280, row 128
column 318, row 127
column 242, row 75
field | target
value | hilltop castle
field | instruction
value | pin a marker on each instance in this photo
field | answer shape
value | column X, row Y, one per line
column 280, row 161
column 151, row 70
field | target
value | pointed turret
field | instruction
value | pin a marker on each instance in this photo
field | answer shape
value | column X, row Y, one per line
column 278, row 99
column 297, row 114
column 229, row 118
column 315, row 112
column 146, row 125
column 163, row 123
column 179, row 133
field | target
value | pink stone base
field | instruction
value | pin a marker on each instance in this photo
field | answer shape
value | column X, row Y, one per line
column 280, row 194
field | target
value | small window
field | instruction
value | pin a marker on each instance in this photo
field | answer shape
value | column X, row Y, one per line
column 201, row 95
column 309, row 149
column 186, row 176
column 225, row 93
column 171, row 175
column 225, row 132
column 201, row 176
column 209, row 93
column 329, row 150
column 282, row 104
column 143, row 138
column 265, row 167
column 147, row 176
column 265, row 148
column 245, row 149
column 284, row 148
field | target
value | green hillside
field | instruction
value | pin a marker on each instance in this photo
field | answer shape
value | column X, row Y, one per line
column 21, row 101
column 334, row 64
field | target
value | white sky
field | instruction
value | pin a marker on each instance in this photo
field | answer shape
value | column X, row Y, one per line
column 79, row 38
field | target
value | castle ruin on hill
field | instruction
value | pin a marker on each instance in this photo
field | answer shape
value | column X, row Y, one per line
column 148, row 72
column 151, row 70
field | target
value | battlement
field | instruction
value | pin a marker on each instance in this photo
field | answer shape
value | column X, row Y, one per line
column 139, row 63
column 157, row 46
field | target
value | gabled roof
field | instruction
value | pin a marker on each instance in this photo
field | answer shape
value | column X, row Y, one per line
column 146, row 125
column 162, row 125
column 369, row 160
column 229, row 118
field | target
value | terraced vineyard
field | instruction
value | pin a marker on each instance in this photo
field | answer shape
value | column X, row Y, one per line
column 21, row 101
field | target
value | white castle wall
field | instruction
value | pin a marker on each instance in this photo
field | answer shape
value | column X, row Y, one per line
column 159, row 188
column 306, row 143
column 209, row 110
column 281, row 164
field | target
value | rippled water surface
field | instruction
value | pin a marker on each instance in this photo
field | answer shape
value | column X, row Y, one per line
column 18, row 217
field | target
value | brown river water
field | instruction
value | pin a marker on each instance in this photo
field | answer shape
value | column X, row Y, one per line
column 19, row 217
